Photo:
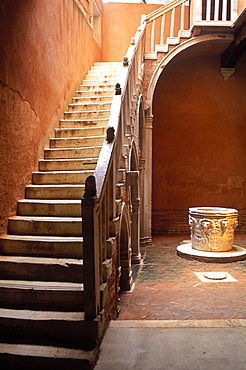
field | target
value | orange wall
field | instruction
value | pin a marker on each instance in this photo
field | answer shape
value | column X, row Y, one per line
column 241, row 5
column 199, row 134
column 46, row 49
column 120, row 23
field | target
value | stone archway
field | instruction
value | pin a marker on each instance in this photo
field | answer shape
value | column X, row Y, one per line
column 198, row 135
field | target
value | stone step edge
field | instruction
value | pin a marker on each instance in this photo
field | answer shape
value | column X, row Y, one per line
column 35, row 285
column 41, row 260
column 41, row 351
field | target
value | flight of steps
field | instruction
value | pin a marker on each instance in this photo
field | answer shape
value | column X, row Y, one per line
column 41, row 258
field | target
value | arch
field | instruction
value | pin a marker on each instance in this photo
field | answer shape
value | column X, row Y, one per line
column 176, row 51
column 192, row 106
column 133, row 162
column 125, row 249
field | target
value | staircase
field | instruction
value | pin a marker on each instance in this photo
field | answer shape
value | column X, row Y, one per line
column 41, row 264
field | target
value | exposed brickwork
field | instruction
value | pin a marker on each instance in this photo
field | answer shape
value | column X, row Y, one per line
column 166, row 221
column 175, row 221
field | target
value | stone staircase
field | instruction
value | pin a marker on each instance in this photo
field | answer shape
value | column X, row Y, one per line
column 41, row 263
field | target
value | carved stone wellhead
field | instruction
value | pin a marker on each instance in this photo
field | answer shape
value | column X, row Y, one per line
column 212, row 228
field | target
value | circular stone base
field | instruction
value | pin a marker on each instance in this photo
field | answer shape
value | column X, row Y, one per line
column 185, row 250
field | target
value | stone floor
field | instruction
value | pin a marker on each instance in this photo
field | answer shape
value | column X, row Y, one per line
column 167, row 287
column 174, row 319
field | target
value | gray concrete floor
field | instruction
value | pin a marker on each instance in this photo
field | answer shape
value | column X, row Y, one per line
column 179, row 348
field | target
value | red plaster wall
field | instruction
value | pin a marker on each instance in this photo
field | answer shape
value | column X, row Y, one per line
column 46, row 49
column 199, row 136
column 120, row 23
column 241, row 5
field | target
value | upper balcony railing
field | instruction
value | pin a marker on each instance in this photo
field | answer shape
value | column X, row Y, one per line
column 181, row 17
column 213, row 10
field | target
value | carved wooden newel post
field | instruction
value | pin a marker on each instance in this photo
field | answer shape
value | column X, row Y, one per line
column 90, row 250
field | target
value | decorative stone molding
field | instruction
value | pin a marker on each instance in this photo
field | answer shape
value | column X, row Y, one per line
column 227, row 72
column 212, row 228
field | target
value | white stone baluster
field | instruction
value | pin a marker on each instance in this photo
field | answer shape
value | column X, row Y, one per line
column 197, row 17
column 224, row 10
column 208, row 10
column 234, row 12
column 162, row 29
column 182, row 17
column 152, row 42
column 172, row 23
column 216, row 10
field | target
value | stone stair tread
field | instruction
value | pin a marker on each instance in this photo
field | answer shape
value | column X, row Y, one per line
column 87, row 122
column 32, row 350
column 38, row 315
column 41, row 260
column 81, row 129
column 69, row 159
column 55, row 191
column 54, row 185
column 77, row 137
column 75, row 148
column 63, row 172
column 44, row 238
column 75, row 141
column 41, row 246
column 41, row 285
column 72, row 153
column 88, row 111
column 46, row 218
column 98, row 104
column 51, row 201
column 93, row 98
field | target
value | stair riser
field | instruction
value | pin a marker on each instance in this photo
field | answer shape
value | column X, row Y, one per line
column 76, row 142
column 98, row 82
column 102, row 66
column 33, row 299
column 92, row 99
column 49, row 192
column 11, row 361
column 43, row 209
column 61, row 249
column 57, row 332
column 45, row 272
column 90, row 152
column 87, row 114
column 98, row 87
column 69, row 165
column 83, row 123
column 102, row 78
column 60, row 177
column 46, row 227
column 88, row 107
column 82, row 132
column 95, row 93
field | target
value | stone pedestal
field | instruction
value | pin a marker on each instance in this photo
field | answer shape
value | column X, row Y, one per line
column 212, row 228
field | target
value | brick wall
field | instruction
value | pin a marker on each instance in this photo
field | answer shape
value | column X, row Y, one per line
column 175, row 221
